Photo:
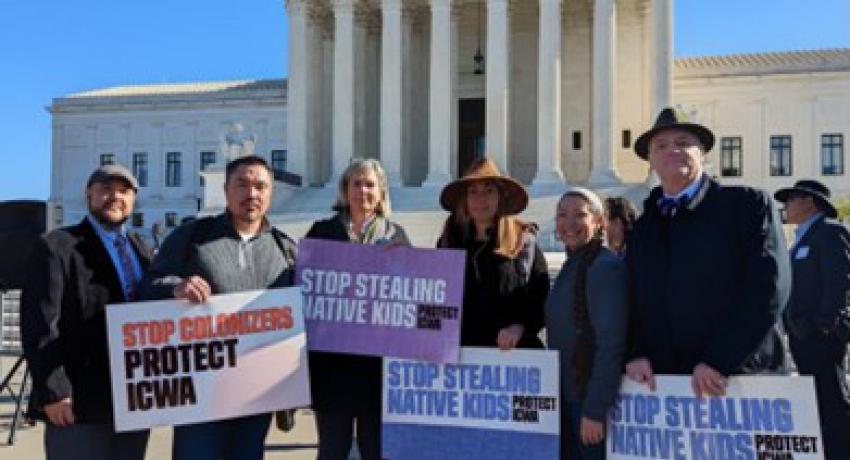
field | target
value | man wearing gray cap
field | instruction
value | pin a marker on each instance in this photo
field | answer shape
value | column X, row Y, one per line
column 73, row 273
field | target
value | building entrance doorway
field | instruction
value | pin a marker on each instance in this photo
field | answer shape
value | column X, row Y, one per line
column 470, row 133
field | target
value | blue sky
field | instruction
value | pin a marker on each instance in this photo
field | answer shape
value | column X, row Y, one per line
column 50, row 48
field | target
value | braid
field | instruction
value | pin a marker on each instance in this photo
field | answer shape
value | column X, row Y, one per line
column 582, row 357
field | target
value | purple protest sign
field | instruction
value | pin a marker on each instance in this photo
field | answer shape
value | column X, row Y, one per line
column 398, row 302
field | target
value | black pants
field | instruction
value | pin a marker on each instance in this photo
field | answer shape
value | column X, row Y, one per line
column 335, row 435
column 93, row 442
column 823, row 358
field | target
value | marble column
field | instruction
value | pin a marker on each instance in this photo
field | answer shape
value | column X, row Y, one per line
column 661, row 43
column 661, row 70
column 603, row 172
column 297, row 110
column 440, row 94
column 343, row 89
column 391, row 90
column 549, row 97
column 497, row 83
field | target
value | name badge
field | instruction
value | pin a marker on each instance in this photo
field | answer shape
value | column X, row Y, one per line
column 802, row 253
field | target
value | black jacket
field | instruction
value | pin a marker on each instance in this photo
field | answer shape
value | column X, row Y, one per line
column 820, row 296
column 70, row 280
column 499, row 292
column 710, row 283
column 341, row 382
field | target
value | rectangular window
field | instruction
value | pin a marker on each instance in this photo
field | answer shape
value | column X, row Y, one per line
column 107, row 159
column 731, row 157
column 627, row 138
column 832, row 154
column 172, row 169
column 140, row 168
column 207, row 158
column 171, row 219
column 138, row 219
column 279, row 160
column 576, row 140
column 780, row 156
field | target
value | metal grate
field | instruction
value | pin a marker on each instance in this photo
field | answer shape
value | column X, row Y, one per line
column 10, row 323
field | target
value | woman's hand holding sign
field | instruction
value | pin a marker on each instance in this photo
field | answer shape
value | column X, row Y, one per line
column 194, row 289
column 509, row 337
column 640, row 370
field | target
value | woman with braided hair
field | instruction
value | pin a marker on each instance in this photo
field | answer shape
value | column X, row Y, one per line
column 586, row 322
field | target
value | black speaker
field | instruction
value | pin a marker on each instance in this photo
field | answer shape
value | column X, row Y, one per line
column 21, row 224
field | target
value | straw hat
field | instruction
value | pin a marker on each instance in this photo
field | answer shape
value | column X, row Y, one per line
column 514, row 197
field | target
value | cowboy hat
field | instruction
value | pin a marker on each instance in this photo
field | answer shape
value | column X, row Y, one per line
column 671, row 118
column 514, row 197
column 810, row 188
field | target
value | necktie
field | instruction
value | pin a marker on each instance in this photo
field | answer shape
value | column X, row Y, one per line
column 670, row 206
column 131, row 278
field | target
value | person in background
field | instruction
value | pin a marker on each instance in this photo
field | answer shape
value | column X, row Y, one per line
column 621, row 215
column 73, row 273
column 346, row 389
column 237, row 250
column 817, row 317
column 586, row 318
column 506, row 280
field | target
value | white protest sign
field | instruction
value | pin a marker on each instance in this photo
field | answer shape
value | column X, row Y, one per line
column 491, row 405
column 760, row 417
column 238, row 354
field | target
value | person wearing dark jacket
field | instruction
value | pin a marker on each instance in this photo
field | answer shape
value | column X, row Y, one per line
column 817, row 317
column 346, row 389
column 506, row 280
column 73, row 273
column 708, row 266
column 586, row 322
column 234, row 251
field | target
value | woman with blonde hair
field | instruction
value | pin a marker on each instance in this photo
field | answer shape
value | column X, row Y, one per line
column 586, row 322
column 346, row 389
column 506, row 279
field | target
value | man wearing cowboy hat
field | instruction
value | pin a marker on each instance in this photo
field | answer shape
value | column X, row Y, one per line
column 709, row 268
column 818, row 314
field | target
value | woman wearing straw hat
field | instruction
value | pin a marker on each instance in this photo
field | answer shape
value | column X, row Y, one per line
column 586, row 321
column 506, row 279
column 346, row 388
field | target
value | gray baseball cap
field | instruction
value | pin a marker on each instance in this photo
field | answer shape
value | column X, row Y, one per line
column 106, row 173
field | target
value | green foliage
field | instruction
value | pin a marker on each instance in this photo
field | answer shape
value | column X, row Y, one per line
column 843, row 205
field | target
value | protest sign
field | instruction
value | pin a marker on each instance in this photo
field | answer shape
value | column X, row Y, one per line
column 491, row 405
column 759, row 418
column 372, row 300
column 238, row 354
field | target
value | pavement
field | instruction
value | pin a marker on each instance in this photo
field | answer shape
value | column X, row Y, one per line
column 298, row 444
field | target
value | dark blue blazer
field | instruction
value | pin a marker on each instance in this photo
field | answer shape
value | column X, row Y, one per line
column 70, row 279
column 820, row 296
column 709, row 284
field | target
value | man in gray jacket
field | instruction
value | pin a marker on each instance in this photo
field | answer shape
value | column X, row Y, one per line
column 237, row 250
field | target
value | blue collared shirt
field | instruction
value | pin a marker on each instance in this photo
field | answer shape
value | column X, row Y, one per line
column 804, row 227
column 688, row 191
column 107, row 237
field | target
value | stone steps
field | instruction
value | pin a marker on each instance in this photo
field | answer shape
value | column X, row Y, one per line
column 418, row 211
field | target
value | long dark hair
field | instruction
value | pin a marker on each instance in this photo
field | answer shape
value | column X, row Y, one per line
column 582, row 356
